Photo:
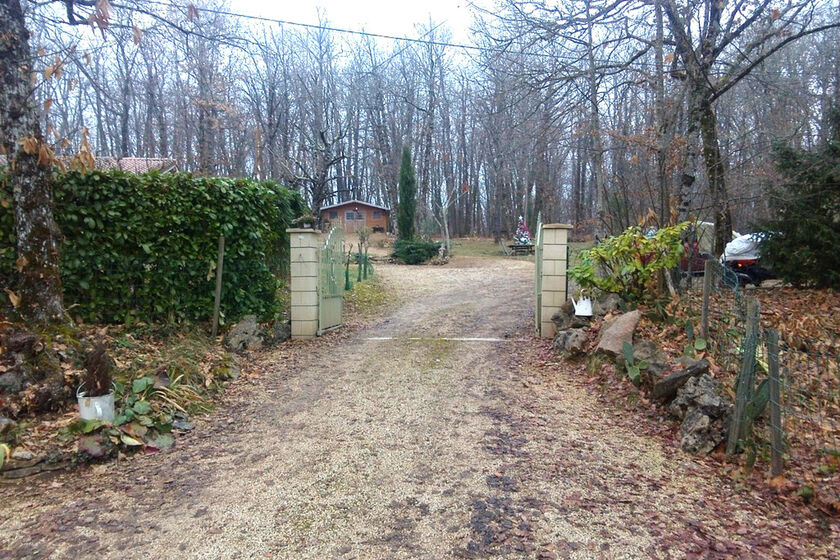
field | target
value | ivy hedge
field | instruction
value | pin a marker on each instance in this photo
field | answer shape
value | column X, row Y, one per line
column 144, row 246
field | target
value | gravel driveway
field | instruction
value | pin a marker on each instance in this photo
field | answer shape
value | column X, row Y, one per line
column 425, row 434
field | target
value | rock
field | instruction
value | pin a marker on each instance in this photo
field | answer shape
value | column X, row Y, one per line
column 699, row 392
column 20, row 454
column 619, row 331
column 6, row 425
column 565, row 318
column 606, row 304
column 22, row 342
column 245, row 335
column 700, row 434
column 705, row 414
column 648, row 353
column 570, row 342
column 278, row 332
column 11, row 382
column 644, row 351
column 665, row 388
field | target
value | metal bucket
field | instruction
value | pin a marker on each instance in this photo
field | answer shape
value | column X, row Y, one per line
column 96, row 408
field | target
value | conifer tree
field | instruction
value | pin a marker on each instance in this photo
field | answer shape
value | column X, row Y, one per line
column 802, row 245
column 408, row 198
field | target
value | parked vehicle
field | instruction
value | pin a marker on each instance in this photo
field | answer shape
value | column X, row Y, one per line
column 742, row 256
column 693, row 261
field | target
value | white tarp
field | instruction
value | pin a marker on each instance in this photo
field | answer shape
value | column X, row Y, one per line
column 742, row 248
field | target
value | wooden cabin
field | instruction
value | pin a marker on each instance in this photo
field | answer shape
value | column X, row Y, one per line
column 354, row 215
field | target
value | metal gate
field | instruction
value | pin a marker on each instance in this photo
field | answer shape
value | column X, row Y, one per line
column 330, row 282
column 538, row 265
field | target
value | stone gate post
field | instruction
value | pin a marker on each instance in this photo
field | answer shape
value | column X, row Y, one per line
column 304, row 245
column 555, row 243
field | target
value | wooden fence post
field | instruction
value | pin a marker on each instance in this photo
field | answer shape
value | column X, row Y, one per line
column 366, row 263
column 745, row 379
column 361, row 264
column 218, row 301
column 707, row 290
column 347, row 284
column 775, row 403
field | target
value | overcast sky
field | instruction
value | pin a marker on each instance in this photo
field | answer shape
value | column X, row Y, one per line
column 387, row 17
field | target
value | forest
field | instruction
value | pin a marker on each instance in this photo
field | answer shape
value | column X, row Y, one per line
column 598, row 113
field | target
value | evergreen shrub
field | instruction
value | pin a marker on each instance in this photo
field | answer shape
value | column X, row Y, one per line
column 415, row 252
column 803, row 241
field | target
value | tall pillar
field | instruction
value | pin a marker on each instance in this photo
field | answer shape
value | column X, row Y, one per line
column 555, row 241
column 304, row 245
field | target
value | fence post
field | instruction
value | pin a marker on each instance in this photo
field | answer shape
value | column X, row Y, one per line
column 776, row 463
column 707, row 290
column 366, row 263
column 361, row 264
column 218, row 301
column 347, row 284
column 744, row 383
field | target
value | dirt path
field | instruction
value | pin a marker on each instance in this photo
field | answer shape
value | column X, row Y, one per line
column 398, row 440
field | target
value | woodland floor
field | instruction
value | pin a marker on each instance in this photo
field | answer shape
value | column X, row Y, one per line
column 395, row 439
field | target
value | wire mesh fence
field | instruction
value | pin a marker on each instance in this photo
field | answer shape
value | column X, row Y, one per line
column 809, row 401
column 785, row 386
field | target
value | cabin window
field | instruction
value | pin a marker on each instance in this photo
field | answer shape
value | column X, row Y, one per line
column 352, row 215
column 377, row 214
column 333, row 214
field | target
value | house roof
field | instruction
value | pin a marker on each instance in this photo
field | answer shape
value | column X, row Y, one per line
column 131, row 164
column 136, row 164
column 354, row 201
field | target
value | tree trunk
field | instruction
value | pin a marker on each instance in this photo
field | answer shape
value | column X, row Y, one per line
column 716, row 177
column 599, row 181
column 38, row 236
column 662, row 143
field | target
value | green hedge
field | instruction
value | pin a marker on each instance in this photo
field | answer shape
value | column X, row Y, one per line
column 415, row 252
column 144, row 246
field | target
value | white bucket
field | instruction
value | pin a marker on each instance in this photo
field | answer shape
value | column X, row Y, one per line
column 583, row 307
column 96, row 408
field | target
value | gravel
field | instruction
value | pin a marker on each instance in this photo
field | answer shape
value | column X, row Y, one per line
column 347, row 447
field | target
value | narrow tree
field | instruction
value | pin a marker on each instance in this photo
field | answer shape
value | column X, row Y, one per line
column 408, row 198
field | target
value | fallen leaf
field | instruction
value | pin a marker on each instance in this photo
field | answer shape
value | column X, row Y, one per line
column 13, row 297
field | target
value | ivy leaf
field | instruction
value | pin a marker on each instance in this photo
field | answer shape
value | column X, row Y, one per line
column 130, row 441
column 92, row 445
column 635, row 374
column 141, row 384
column 142, row 407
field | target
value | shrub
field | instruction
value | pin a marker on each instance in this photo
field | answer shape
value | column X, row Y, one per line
column 415, row 252
column 628, row 264
column 144, row 246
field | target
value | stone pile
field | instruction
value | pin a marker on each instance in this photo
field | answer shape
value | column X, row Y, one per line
column 683, row 386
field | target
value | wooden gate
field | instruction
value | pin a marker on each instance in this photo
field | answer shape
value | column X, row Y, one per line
column 538, row 266
column 330, row 281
